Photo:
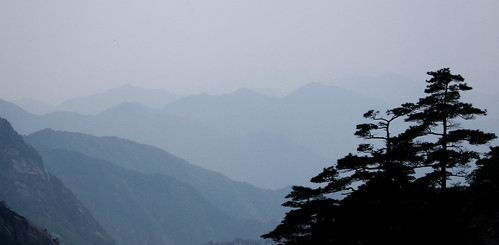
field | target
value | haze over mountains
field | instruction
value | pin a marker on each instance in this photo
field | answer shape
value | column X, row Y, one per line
column 123, row 159
column 156, row 199
column 238, row 199
column 95, row 104
column 245, row 135
column 184, row 122
column 146, row 208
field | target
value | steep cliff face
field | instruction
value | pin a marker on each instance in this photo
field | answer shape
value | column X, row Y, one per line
column 15, row 229
column 42, row 198
column 16, row 157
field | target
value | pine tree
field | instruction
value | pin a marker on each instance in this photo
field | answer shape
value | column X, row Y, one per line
column 392, row 161
column 310, row 220
column 488, row 168
column 437, row 115
column 322, row 216
column 383, row 201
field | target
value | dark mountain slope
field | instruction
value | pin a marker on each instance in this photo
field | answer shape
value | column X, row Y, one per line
column 235, row 198
column 17, row 230
column 31, row 191
column 137, row 208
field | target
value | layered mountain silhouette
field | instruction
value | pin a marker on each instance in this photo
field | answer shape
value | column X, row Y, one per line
column 138, row 208
column 41, row 197
column 244, row 135
column 97, row 103
column 143, row 195
column 317, row 116
column 237, row 199
column 34, row 106
column 140, row 202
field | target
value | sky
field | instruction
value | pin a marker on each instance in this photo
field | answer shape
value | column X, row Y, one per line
column 54, row 50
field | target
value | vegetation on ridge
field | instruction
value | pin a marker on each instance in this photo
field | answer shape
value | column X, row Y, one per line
column 396, row 192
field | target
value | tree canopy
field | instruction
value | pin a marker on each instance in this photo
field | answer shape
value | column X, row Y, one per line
column 380, row 195
column 437, row 115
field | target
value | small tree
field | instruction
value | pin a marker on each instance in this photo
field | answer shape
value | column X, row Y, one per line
column 437, row 115
column 488, row 168
column 392, row 161
column 308, row 222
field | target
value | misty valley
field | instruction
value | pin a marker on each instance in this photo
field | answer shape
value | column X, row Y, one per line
column 249, row 122
column 320, row 165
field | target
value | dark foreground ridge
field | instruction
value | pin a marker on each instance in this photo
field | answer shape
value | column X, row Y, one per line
column 15, row 229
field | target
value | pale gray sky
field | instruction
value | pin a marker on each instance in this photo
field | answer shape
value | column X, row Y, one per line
column 53, row 50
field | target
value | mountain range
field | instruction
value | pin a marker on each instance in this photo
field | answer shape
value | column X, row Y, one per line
column 138, row 208
column 245, row 135
column 121, row 174
column 140, row 194
column 237, row 199
column 30, row 190
column 97, row 103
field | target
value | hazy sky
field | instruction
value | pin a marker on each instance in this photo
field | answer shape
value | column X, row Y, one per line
column 53, row 50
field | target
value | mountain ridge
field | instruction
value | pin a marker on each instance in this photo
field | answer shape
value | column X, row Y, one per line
column 238, row 199
column 41, row 197
column 202, row 131
column 317, row 120
column 141, row 208
column 97, row 103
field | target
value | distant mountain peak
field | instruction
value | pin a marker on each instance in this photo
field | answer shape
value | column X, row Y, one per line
column 128, row 107
column 124, row 87
column 315, row 89
column 9, row 106
column 127, row 85
column 319, row 85
column 246, row 92
column 34, row 106
column 97, row 103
